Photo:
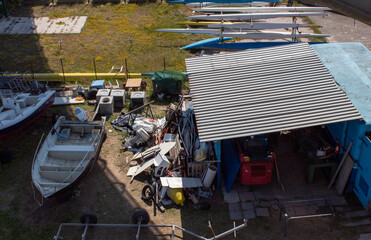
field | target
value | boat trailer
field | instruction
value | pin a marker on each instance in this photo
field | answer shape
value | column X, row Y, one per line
column 140, row 220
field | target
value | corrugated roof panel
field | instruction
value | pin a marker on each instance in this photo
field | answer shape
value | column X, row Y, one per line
column 264, row 90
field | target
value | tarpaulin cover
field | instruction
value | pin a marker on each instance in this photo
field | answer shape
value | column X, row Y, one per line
column 168, row 81
column 230, row 162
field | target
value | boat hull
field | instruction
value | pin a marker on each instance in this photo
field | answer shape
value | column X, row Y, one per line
column 9, row 131
column 60, row 152
column 86, row 171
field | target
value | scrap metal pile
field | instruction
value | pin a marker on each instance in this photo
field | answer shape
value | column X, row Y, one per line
column 179, row 165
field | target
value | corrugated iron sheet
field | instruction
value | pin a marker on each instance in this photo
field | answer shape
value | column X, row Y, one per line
column 264, row 90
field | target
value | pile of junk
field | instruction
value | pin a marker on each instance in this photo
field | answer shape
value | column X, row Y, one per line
column 179, row 165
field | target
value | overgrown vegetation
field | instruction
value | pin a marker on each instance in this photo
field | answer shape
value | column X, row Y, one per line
column 112, row 33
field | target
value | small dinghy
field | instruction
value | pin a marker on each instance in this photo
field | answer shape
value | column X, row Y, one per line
column 68, row 152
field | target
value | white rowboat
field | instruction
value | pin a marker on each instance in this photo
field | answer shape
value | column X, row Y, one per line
column 261, row 9
column 66, row 155
column 249, row 35
column 249, row 16
column 257, row 26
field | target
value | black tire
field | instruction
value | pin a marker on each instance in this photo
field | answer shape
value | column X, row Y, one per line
column 148, row 192
column 93, row 93
column 140, row 215
column 89, row 218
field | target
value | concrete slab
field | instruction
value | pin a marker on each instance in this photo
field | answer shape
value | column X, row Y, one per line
column 231, row 197
column 355, row 214
column 247, row 206
column 246, row 196
column 234, row 207
column 357, row 223
column 364, row 236
column 337, row 200
column 262, row 203
column 248, row 214
column 264, row 194
column 43, row 25
column 262, row 212
column 235, row 215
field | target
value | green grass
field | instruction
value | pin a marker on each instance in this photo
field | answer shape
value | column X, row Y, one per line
column 112, row 33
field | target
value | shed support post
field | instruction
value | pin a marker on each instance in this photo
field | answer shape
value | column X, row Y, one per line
column 218, row 153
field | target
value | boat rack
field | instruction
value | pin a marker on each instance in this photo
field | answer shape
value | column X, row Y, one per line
column 140, row 219
column 328, row 211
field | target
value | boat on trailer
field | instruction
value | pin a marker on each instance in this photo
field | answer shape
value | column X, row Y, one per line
column 67, row 154
column 21, row 109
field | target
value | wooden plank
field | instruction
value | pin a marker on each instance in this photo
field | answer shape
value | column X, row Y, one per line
column 133, row 83
column 344, row 174
column 339, row 166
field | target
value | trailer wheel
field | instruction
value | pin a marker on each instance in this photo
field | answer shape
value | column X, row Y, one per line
column 89, row 218
column 148, row 192
column 141, row 215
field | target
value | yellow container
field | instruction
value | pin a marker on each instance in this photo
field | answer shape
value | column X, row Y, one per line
column 176, row 194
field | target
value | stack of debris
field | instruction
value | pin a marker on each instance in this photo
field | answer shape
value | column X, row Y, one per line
column 180, row 166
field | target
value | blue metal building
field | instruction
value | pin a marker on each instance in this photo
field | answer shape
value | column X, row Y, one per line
column 350, row 65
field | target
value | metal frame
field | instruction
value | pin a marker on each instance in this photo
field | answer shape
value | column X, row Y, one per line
column 139, row 226
column 328, row 205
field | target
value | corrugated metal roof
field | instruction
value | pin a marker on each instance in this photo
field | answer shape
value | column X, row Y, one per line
column 264, row 90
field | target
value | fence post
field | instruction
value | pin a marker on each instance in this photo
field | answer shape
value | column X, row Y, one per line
column 64, row 78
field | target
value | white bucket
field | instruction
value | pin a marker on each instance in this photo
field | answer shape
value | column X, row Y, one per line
column 209, row 176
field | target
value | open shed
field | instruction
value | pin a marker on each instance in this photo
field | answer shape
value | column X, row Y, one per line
column 261, row 91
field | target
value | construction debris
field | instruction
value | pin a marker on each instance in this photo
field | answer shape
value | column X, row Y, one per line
column 170, row 152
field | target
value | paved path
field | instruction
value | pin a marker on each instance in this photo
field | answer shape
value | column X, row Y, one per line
column 42, row 25
column 344, row 29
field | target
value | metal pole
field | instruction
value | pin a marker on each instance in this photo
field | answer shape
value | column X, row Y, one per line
column 95, row 69
column 85, row 231
column 64, row 78
column 126, row 69
column 137, row 236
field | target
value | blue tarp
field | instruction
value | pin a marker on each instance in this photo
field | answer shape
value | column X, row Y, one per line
column 230, row 162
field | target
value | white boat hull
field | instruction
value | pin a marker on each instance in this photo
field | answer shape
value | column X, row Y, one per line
column 249, row 35
column 66, row 155
column 261, row 9
column 249, row 16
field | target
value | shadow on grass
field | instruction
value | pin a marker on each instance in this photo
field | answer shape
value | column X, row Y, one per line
column 29, row 55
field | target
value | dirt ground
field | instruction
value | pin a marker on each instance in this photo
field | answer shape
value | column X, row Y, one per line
column 108, row 193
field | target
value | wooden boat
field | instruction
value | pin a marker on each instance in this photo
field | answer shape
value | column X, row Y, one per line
column 21, row 109
column 67, row 153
